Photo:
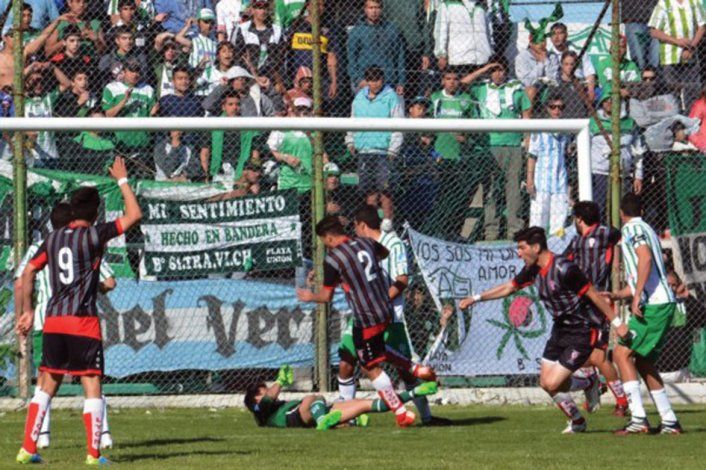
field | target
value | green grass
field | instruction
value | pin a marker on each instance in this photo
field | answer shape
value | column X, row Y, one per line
column 484, row 437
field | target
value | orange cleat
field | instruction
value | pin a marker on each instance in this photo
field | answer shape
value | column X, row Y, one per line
column 405, row 419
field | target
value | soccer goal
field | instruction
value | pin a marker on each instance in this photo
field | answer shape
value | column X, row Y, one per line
column 205, row 298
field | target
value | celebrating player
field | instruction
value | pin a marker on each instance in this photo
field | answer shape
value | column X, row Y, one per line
column 312, row 410
column 566, row 293
column 592, row 251
column 72, row 336
column 652, row 308
column 60, row 216
column 355, row 264
column 367, row 224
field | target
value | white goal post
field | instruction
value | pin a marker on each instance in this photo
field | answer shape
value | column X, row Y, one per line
column 568, row 126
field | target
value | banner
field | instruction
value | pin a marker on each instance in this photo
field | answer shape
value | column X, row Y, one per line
column 500, row 337
column 689, row 252
column 216, row 237
column 686, row 192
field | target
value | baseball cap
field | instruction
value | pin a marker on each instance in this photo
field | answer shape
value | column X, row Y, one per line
column 237, row 72
column 419, row 100
column 206, row 14
column 302, row 102
column 331, row 169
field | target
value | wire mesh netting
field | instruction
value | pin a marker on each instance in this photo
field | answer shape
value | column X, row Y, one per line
column 205, row 299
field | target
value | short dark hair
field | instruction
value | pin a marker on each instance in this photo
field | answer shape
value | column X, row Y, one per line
column 78, row 71
column 230, row 93
column 182, row 68
column 675, row 127
column 27, row 6
column 61, row 215
column 556, row 26
column 631, row 205
column 554, row 97
column 124, row 3
column 85, row 202
column 369, row 216
column 329, row 225
column 532, row 236
column 72, row 30
column 587, row 211
column 122, row 29
column 500, row 60
column 374, row 73
column 569, row 53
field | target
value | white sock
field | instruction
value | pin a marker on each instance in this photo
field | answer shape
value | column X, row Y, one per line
column 35, row 418
column 346, row 388
column 568, row 406
column 383, row 385
column 105, row 427
column 93, row 422
column 663, row 406
column 632, row 390
column 421, row 403
column 47, row 420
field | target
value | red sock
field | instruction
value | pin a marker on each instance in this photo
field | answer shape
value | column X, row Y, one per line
column 93, row 422
column 35, row 416
column 617, row 388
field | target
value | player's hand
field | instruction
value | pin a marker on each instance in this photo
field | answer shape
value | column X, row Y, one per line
column 466, row 303
column 622, row 331
column 635, row 307
column 285, row 376
column 24, row 323
column 118, row 170
column 305, row 295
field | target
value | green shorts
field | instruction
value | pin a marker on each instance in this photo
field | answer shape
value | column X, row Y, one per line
column 396, row 338
column 37, row 349
column 647, row 333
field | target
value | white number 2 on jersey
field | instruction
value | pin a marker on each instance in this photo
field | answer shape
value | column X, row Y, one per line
column 364, row 258
column 66, row 265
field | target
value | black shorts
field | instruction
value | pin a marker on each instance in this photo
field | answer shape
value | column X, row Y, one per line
column 70, row 354
column 370, row 344
column 570, row 347
column 601, row 337
column 294, row 418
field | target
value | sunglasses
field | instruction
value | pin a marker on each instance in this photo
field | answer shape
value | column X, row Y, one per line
column 556, row 106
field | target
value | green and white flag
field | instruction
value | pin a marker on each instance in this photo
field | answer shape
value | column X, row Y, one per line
column 201, row 237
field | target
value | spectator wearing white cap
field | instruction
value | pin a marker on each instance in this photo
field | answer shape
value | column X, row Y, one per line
column 202, row 46
column 253, row 102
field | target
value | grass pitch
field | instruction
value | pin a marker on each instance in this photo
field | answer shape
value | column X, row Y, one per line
column 483, row 437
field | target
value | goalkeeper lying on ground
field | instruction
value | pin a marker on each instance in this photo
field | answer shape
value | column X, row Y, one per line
column 312, row 410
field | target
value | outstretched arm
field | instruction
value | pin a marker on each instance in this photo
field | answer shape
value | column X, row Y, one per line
column 133, row 213
column 497, row 292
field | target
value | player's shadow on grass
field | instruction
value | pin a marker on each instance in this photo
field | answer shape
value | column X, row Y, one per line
column 477, row 421
column 172, row 455
column 173, row 441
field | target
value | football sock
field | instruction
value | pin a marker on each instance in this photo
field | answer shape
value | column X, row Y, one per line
column 92, row 421
column 105, row 427
column 567, row 405
column 379, row 405
column 47, row 420
column 383, row 385
column 421, row 403
column 581, row 383
column 35, row 416
column 632, row 390
column 346, row 388
column 318, row 410
column 663, row 406
column 617, row 388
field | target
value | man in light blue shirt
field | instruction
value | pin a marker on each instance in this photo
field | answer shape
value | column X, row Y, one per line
column 179, row 11
column 43, row 13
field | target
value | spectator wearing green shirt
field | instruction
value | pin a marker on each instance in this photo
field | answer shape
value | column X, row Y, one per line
column 131, row 97
column 93, row 43
column 501, row 97
column 629, row 72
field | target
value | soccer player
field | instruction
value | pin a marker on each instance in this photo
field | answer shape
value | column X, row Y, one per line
column 566, row 293
column 354, row 263
column 60, row 216
column 312, row 410
column 592, row 251
column 397, row 342
column 72, row 336
column 652, row 308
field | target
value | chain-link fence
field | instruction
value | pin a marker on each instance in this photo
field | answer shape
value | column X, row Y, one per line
column 205, row 296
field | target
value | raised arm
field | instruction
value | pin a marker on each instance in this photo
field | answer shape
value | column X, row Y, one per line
column 133, row 213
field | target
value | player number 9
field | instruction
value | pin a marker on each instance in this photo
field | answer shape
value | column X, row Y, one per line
column 66, row 264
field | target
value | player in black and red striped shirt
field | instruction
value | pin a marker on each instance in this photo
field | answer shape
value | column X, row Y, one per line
column 354, row 263
column 592, row 251
column 567, row 294
column 72, row 340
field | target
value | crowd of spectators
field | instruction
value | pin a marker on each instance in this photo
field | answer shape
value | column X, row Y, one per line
column 440, row 59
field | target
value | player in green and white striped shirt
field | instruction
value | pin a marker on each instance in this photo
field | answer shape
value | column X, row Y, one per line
column 397, row 342
column 652, row 308
column 678, row 25
column 60, row 216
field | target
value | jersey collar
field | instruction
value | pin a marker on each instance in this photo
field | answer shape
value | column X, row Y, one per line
column 591, row 229
column 543, row 271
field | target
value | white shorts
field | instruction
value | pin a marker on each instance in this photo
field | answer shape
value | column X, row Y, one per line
column 549, row 211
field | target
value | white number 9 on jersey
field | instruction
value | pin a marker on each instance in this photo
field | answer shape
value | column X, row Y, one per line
column 66, row 265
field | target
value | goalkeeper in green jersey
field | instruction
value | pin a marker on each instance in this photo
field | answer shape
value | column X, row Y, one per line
column 312, row 410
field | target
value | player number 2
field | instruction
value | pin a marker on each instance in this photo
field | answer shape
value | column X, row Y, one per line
column 367, row 261
column 66, row 264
